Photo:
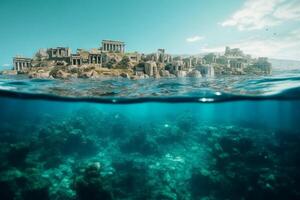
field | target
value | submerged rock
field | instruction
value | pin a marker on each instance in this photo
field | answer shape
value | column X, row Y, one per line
column 77, row 142
column 201, row 184
column 140, row 143
column 194, row 74
column 125, row 75
column 6, row 190
column 89, row 185
column 17, row 154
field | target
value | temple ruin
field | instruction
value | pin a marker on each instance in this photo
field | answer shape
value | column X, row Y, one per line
column 113, row 46
column 20, row 63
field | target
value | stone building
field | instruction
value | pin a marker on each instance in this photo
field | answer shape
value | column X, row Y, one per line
column 59, row 52
column 162, row 57
column 134, row 57
column 210, row 58
column 95, row 58
column 113, row 46
column 20, row 63
column 237, row 64
column 151, row 68
column 76, row 59
column 263, row 64
column 233, row 53
column 188, row 63
column 84, row 54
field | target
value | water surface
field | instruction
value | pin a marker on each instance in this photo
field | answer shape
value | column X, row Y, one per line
column 219, row 138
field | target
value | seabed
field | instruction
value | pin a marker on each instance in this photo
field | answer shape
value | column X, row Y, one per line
column 89, row 151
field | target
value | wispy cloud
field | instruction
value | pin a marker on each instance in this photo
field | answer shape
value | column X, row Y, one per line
column 6, row 65
column 258, row 14
column 287, row 47
column 194, row 39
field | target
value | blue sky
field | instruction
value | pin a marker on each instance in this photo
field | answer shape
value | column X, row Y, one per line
column 260, row 27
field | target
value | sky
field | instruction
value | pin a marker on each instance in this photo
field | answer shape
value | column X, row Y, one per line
column 259, row 27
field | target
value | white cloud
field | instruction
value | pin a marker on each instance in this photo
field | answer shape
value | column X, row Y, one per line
column 258, row 14
column 288, row 11
column 194, row 39
column 6, row 65
column 286, row 47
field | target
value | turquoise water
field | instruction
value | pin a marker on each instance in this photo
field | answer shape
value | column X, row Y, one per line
column 226, row 138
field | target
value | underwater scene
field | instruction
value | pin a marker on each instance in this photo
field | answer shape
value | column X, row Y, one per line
column 199, row 140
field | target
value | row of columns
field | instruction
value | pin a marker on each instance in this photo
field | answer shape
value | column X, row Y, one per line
column 95, row 59
column 59, row 52
column 21, row 65
column 76, row 61
column 55, row 53
column 113, row 47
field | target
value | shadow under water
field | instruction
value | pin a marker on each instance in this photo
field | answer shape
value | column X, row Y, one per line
column 88, row 151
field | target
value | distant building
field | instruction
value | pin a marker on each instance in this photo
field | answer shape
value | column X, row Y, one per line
column 162, row 57
column 233, row 53
column 76, row 59
column 210, row 58
column 151, row 68
column 237, row 64
column 59, row 52
column 134, row 57
column 20, row 63
column 263, row 64
column 113, row 46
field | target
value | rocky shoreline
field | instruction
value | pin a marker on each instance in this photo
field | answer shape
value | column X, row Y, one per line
column 96, row 72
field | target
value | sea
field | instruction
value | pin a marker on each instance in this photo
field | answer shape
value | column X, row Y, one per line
column 227, row 137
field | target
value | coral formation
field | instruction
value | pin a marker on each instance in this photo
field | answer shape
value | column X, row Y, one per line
column 84, row 157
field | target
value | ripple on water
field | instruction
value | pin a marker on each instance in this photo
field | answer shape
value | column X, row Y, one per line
column 280, row 85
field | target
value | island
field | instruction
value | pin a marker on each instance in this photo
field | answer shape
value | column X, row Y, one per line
column 111, row 60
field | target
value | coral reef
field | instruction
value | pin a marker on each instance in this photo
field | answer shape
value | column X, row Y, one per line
column 85, row 157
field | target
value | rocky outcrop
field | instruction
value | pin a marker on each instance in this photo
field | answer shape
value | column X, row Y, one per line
column 194, row 74
column 88, row 74
column 8, row 72
column 125, row 75
column 180, row 73
column 150, row 68
column 206, row 70
column 60, row 74
column 39, row 74
column 166, row 74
